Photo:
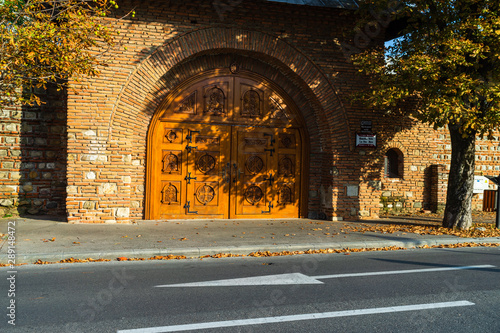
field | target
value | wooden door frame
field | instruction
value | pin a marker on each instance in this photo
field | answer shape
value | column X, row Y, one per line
column 156, row 120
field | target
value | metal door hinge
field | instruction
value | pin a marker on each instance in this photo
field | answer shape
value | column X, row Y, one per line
column 189, row 137
column 272, row 138
column 188, row 148
column 188, row 178
column 271, row 179
column 268, row 211
column 270, row 150
column 188, row 206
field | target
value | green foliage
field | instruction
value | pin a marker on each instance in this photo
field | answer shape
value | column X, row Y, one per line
column 445, row 68
column 46, row 41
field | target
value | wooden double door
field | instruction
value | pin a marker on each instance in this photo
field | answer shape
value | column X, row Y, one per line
column 225, row 171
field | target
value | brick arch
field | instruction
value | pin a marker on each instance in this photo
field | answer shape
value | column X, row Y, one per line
column 147, row 85
column 394, row 144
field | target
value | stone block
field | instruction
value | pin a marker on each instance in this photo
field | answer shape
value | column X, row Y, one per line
column 364, row 213
column 123, row 212
column 89, row 133
column 16, row 175
column 40, row 141
column 89, row 157
column 72, row 189
column 11, row 127
column 352, row 190
column 89, row 205
column 44, row 191
column 27, row 188
column 51, row 205
column 6, row 202
column 107, row 188
column 8, row 188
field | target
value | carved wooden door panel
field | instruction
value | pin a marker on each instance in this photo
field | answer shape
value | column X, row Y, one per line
column 287, row 179
column 208, row 164
column 225, row 147
column 266, row 173
column 192, row 169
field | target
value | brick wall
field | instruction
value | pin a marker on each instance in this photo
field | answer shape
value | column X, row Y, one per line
column 91, row 163
column 33, row 157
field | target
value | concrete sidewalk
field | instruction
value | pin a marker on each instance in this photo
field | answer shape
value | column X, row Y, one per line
column 50, row 240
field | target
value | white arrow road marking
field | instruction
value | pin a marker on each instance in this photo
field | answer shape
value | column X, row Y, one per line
column 298, row 278
column 268, row 280
column 307, row 316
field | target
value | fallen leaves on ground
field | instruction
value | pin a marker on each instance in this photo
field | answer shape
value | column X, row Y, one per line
column 8, row 265
column 478, row 230
column 49, row 240
column 68, row 260
column 459, row 245
column 345, row 251
column 222, row 255
column 322, row 251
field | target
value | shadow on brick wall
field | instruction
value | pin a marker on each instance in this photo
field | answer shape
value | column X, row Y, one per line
column 43, row 148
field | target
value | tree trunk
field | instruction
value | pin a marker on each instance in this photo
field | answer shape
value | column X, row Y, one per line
column 458, row 211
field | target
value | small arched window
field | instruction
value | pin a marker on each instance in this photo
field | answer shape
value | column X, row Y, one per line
column 393, row 163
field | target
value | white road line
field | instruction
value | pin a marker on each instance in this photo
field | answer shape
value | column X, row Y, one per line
column 298, row 278
column 307, row 316
column 409, row 271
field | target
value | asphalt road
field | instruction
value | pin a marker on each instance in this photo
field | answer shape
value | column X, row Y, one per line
column 395, row 291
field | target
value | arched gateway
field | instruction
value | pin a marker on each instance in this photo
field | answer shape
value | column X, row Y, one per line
column 226, row 146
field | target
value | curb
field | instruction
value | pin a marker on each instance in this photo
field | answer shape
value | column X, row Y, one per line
column 244, row 250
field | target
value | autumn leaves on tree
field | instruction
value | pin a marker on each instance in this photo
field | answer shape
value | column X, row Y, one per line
column 444, row 70
column 49, row 42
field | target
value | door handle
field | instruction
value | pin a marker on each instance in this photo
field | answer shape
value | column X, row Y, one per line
column 237, row 171
column 225, row 177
